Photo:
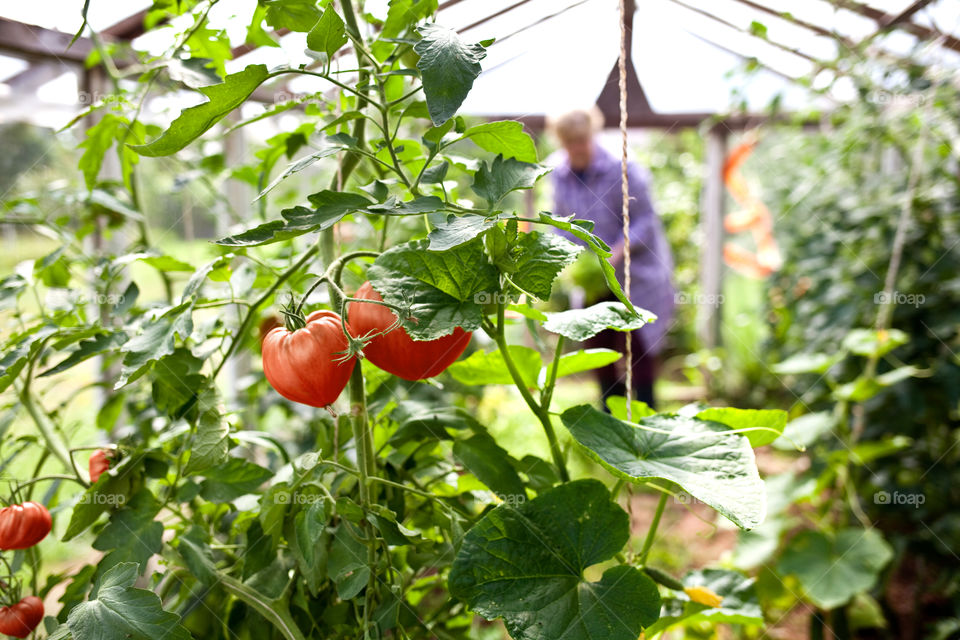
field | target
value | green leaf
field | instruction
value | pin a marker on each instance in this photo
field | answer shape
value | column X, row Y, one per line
column 132, row 535
column 157, row 339
column 805, row 430
column 347, row 563
column 87, row 349
column 584, row 360
column 10, row 289
column 580, row 324
column 309, row 543
column 448, row 66
column 420, row 204
column 483, row 367
column 539, row 258
column 739, row 605
column 765, row 419
column 273, row 509
column 120, row 611
column 582, row 229
column 193, row 122
column 525, row 564
column 110, row 491
column 831, row 570
column 457, row 230
column 874, row 343
column 504, row 137
column 618, row 408
column 493, row 182
column 805, row 363
column 232, row 479
column 491, row 464
column 295, row 15
column 703, row 458
column 194, row 548
column 266, row 233
column 328, row 35
column 211, row 441
column 297, row 166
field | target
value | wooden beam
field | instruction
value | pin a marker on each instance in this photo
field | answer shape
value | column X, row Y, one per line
column 33, row 42
column 946, row 41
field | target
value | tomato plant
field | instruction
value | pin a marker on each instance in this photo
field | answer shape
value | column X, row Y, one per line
column 235, row 507
column 22, row 618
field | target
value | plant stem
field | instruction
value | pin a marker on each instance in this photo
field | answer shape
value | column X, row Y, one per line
column 547, row 396
column 276, row 611
column 497, row 333
column 652, row 531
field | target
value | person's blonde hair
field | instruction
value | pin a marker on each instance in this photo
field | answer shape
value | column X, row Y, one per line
column 576, row 123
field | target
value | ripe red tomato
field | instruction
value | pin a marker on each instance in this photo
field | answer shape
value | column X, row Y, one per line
column 304, row 365
column 396, row 352
column 22, row 526
column 98, row 464
column 22, row 618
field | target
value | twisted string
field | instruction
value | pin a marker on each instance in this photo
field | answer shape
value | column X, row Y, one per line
column 625, row 194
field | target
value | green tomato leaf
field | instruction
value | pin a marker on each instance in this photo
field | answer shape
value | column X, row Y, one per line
column 121, row 611
column 232, row 479
column 580, row 324
column 87, row 349
column 538, row 259
column 448, row 66
column 309, row 543
column 457, row 230
column 110, row 491
column 328, row 34
column 491, row 464
column 295, row 15
column 805, row 363
column 805, row 430
column 525, row 564
column 132, row 535
column 768, row 422
column 266, row 233
column 739, row 604
column 193, row 122
column 831, row 570
column 483, row 368
column 158, row 339
column 703, row 458
column 299, row 165
column 874, row 343
column 194, row 548
column 505, row 137
column 347, row 563
column 494, row 181
column 584, row 360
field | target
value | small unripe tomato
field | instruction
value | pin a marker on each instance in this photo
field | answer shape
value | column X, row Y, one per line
column 23, row 525
column 22, row 618
column 396, row 352
column 307, row 365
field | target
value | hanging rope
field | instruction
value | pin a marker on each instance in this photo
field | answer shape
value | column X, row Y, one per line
column 625, row 193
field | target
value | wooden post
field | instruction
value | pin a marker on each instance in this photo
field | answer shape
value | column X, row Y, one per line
column 711, row 225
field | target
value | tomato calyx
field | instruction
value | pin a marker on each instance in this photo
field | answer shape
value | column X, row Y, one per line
column 293, row 318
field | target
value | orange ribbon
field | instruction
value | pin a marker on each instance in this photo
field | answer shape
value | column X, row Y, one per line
column 753, row 217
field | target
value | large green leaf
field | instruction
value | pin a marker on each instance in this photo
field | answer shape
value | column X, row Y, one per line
column 831, row 570
column 505, row 137
column 584, row 360
column 739, row 604
column 193, row 122
column 295, row 15
column 328, row 34
column 580, row 324
column 457, row 230
column 120, row 611
column 489, row 367
column 762, row 426
column 539, row 258
column 308, row 543
column 448, row 66
column 491, row 464
column 211, row 442
column 494, row 181
column 232, row 479
column 158, row 339
column 703, row 458
column 132, row 535
column 526, row 563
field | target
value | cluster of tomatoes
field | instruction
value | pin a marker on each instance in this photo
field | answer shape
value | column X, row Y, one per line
column 307, row 365
column 21, row 527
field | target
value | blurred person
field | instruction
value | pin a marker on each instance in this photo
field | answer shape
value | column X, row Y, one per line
column 587, row 183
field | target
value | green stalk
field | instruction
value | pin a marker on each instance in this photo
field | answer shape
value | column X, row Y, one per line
column 547, row 396
column 652, row 531
column 497, row 333
column 276, row 611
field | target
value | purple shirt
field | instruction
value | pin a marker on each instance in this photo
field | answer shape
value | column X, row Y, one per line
column 595, row 194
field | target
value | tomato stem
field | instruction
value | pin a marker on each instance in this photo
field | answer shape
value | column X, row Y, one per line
column 652, row 531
